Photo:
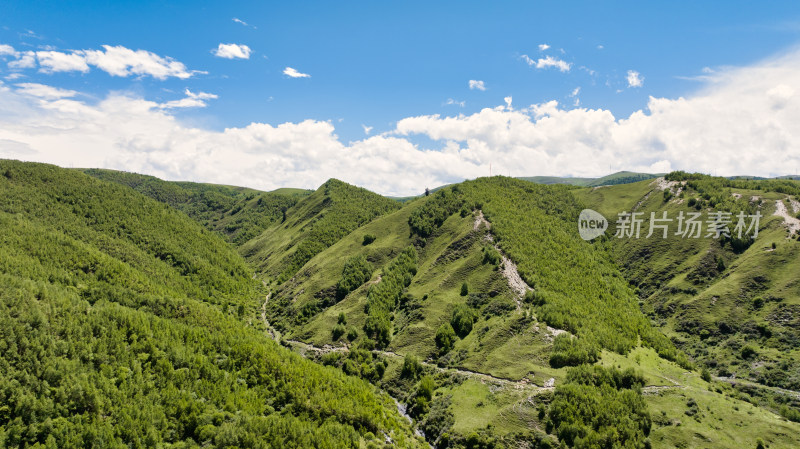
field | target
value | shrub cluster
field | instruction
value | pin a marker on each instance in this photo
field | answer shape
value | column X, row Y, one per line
column 382, row 298
column 600, row 407
column 357, row 270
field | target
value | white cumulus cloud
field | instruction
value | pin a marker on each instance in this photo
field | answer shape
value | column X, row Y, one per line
column 547, row 62
column 7, row 50
column 543, row 47
column 744, row 121
column 292, row 73
column 192, row 100
column 26, row 60
column 56, row 61
column 232, row 51
column 635, row 79
column 477, row 84
column 121, row 61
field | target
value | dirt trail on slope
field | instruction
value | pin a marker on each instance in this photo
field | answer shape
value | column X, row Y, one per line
column 655, row 389
column 479, row 220
column 660, row 184
column 500, row 381
column 510, row 272
column 791, row 222
column 783, row 391
column 522, row 384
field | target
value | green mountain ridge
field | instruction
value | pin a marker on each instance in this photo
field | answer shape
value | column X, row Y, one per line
column 315, row 223
column 125, row 324
column 477, row 307
column 512, row 338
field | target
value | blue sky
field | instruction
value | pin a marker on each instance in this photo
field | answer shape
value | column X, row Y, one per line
column 374, row 64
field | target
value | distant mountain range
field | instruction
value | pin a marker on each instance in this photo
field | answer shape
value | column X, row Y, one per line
column 622, row 177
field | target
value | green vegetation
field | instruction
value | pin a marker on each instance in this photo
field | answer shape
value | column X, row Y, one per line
column 727, row 303
column 422, row 299
column 421, row 396
column 462, row 319
column 710, row 186
column 239, row 214
column 338, row 331
column 124, row 324
column 576, row 287
column 570, row 351
column 425, row 219
column 356, row 271
column 314, row 224
column 445, row 337
column 534, row 226
column 576, row 284
column 359, row 361
column 383, row 297
column 600, row 407
column 491, row 255
column 411, row 367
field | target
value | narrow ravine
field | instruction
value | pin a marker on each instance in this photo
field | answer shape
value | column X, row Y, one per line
column 273, row 333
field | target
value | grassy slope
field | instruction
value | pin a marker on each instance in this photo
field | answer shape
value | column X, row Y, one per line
column 237, row 213
column 315, row 223
column 124, row 323
column 720, row 418
column 451, row 258
column 504, row 344
column 510, row 344
column 687, row 294
column 712, row 314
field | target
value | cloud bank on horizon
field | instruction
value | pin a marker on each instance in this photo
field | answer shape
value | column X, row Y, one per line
column 744, row 121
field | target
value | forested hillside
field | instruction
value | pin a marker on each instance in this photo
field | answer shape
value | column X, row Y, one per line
column 237, row 213
column 126, row 324
column 129, row 320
